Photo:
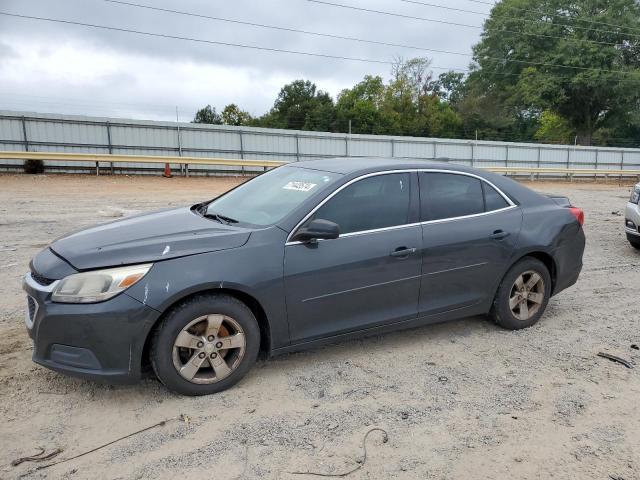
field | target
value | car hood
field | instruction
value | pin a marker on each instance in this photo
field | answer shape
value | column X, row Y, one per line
column 148, row 238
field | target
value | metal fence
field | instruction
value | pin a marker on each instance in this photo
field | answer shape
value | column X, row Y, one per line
column 23, row 131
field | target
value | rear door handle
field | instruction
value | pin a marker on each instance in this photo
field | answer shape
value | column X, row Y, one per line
column 402, row 252
column 499, row 234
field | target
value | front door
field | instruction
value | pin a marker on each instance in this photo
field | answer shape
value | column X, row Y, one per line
column 370, row 274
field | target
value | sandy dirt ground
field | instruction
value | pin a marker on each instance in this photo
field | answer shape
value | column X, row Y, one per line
column 458, row 400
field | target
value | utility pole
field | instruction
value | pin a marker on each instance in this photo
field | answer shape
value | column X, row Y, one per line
column 182, row 167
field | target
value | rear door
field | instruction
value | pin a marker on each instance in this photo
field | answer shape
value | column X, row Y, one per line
column 370, row 274
column 469, row 232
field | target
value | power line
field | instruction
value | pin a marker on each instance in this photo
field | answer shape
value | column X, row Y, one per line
column 455, row 24
column 198, row 40
column 286, row 29
column 354, row 39
column 485, row 14
column 595, row 22
column 255, row 47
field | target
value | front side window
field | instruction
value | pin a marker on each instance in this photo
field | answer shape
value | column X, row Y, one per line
column 375, row 202
column 268, row 198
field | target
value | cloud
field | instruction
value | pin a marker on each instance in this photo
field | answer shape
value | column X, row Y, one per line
column 73, row 69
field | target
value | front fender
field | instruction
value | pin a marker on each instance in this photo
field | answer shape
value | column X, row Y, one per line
column 255, row 269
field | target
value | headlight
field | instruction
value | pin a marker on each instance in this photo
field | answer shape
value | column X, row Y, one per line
column 635, row 195
column 99, row 285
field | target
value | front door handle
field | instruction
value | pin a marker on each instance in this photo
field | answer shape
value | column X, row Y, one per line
column 499, row 234
column 402, row 252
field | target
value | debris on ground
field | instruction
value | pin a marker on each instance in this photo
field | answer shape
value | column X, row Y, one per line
column 38, row 457
column 99, row 447
column 613, row 358
column 360, row 462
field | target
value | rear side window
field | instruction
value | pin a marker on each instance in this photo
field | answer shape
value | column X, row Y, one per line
column 447, row 195
column 375, row 202
column 493, row 200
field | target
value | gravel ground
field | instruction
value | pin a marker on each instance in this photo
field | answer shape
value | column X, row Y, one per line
column 458, row 400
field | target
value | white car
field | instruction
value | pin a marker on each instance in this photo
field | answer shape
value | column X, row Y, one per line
column 632, row 218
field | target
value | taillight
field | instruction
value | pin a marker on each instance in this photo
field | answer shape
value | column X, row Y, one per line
column 578, row 213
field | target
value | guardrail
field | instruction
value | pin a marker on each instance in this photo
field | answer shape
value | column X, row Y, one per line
column 162, row 159
column 569, row 173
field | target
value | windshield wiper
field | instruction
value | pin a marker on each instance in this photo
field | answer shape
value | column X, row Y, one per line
column 219, row 218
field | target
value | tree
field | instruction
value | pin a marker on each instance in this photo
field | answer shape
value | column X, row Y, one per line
column 412, row 107
column 300, row 105
column 554, row 129
column 407, row 105
column 232, row 115
column 538, row 55
column 208, row 115
column 362, row 105
column 488, row 116
column 449, row 86
column 411, row 77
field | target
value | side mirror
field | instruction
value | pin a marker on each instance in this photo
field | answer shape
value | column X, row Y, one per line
column 317, row 229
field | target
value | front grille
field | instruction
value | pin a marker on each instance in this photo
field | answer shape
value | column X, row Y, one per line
column 44, row 281
column 31, row 303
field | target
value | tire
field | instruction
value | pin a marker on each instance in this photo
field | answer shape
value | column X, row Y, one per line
column 635, row 244
column 203, row 331
column 522, row 316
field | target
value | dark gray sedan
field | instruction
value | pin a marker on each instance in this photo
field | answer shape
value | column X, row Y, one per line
column 305, row 254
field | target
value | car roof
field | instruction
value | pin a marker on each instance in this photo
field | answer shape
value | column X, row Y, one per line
column 355, row 166
column 350, row 165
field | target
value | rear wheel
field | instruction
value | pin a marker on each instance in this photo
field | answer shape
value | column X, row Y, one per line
column 522, row 295
column 205, row 345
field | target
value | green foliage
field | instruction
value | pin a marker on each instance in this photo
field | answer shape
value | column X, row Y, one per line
column 300, row 105
column 363, row 105
column 449, row 87
column 405, row 106
column 232, row 115
column 208, row 114
column 554, row 129
column 556, row 35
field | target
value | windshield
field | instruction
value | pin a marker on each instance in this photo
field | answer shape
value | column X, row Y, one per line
column 267, row 198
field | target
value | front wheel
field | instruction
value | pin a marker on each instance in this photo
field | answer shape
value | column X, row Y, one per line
column 522, row 295
column 205, row 345
column 634, row 241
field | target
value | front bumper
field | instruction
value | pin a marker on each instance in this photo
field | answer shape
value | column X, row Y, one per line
column 101, row 341
column 632, row 219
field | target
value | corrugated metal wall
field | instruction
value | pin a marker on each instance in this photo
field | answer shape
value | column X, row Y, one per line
column 22, row 131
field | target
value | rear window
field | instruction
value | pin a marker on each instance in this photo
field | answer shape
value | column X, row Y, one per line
column 451, row 195
column 492, row 199
column 447, row 195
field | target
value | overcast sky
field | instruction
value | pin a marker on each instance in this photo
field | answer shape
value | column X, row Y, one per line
column 50, row 67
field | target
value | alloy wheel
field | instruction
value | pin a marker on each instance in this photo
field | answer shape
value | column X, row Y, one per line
column 209, row 348
column 527, row 295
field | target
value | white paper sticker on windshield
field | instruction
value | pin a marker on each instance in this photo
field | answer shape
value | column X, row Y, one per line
column 299, row 186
